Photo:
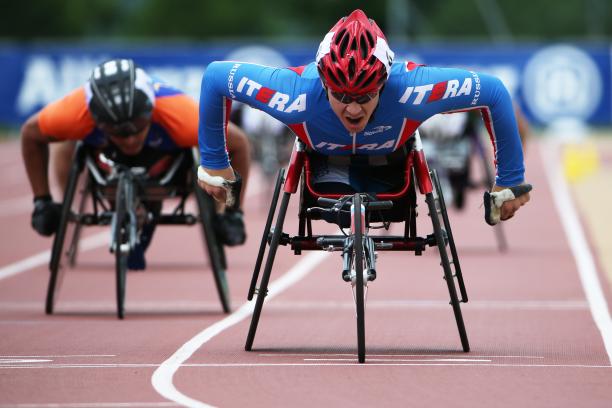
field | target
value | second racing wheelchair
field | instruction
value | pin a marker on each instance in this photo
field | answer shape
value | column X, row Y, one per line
column 101, row 191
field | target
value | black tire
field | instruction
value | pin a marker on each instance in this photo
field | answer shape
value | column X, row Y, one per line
column 358, row 258
column 266, row 233
column 121, row 237
column 214, row 249
column 265, row 278
column 67, row 222
column 448, row 275
column 441, row 205
column 73, row 249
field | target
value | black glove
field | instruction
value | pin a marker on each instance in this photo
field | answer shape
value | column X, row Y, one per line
column 46, row 215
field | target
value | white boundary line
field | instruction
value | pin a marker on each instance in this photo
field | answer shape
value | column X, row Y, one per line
column 93, row 405
column 349, row 362
column 162, row 377
column 549, row 151
column 34, row 261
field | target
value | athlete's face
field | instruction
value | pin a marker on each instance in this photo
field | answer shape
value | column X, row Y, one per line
column 353, row 115
column 131, row 145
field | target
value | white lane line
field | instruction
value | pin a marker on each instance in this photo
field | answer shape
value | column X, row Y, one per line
column 388, row 355
column 416, row 360
column 23, row 360
column 64, row 356
column 93, row 365
column 578, row 243
column 350, row 362
column 94, row 405
column 34, row 261
column 162, row 377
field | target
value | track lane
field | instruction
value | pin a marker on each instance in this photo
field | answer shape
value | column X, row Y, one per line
column 529, row 319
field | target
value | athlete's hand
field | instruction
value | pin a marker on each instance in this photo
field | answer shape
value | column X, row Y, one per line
column 503, row 202
column 46, row 216
column 215, row 184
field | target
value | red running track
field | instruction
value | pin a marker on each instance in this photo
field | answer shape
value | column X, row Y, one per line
column 537, row 334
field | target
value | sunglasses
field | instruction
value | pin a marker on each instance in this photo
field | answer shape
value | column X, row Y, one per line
column 125, row 129
column 360, row 99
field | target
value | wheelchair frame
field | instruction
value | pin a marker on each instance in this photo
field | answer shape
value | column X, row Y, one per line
column 358, row 247
column 114, row 203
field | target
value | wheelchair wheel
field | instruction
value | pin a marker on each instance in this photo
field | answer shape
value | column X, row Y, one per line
column 441, row 205
column 73, row 249
column 122, row 249
column 266, row 233
column 358, row 260
column 265, row 279
column 68, row 222
column 214, row 249
column 441, row 240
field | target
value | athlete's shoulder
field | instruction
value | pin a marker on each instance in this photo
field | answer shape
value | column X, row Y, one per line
column 177, row 113
column 68, row 117
column 308, row 71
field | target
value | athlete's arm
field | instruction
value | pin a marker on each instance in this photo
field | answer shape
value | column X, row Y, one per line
column 35, row 152
column 275, row 91
column 428, row 91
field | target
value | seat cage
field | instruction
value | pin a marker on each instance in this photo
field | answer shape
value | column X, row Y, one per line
column 169, row 178
column 415, row 160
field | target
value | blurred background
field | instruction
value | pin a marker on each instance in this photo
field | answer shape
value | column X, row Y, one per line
column 554, row 57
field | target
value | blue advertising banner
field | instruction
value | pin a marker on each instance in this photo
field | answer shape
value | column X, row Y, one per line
column 549, row 82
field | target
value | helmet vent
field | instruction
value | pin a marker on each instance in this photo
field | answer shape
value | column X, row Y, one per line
column 360, row 78
column 351, row 68
column 331, row 76
column 363, row 46
column 341, row 77
column 370, row 39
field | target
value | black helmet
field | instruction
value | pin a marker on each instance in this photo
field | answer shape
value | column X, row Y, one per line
column 121, row 93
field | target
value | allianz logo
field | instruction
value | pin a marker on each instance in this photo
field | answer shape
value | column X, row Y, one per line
column 377, row 129
column 46, row 79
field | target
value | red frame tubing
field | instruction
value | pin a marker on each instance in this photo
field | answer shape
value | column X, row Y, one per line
column 294, row 170
column 422, row 172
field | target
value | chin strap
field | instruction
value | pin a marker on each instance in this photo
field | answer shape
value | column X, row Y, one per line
column 232, row 187
column 494, row 201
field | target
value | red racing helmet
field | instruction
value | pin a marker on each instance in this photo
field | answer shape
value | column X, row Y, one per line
column 354, row 57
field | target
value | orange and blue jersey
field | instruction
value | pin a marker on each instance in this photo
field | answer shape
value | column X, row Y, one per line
column 174, row 121
column 412, row 94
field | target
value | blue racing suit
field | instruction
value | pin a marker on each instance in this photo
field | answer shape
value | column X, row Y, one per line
column 413, row 93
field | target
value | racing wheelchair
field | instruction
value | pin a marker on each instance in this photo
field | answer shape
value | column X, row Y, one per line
column 359, row 212
column 103, row 192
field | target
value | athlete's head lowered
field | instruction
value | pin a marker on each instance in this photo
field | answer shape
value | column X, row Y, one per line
column 354, row 57
column 121, row 98
column 354, row 62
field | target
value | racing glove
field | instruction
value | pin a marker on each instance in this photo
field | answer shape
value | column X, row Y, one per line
column 494, row 201
column 46, row 215
column 233, row 187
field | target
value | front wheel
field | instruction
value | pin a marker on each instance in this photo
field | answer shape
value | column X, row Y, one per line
column 121, row 238
column 358, row 259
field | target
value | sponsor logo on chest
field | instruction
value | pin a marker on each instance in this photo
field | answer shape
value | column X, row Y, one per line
column 453, row 88
column 274, row 99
